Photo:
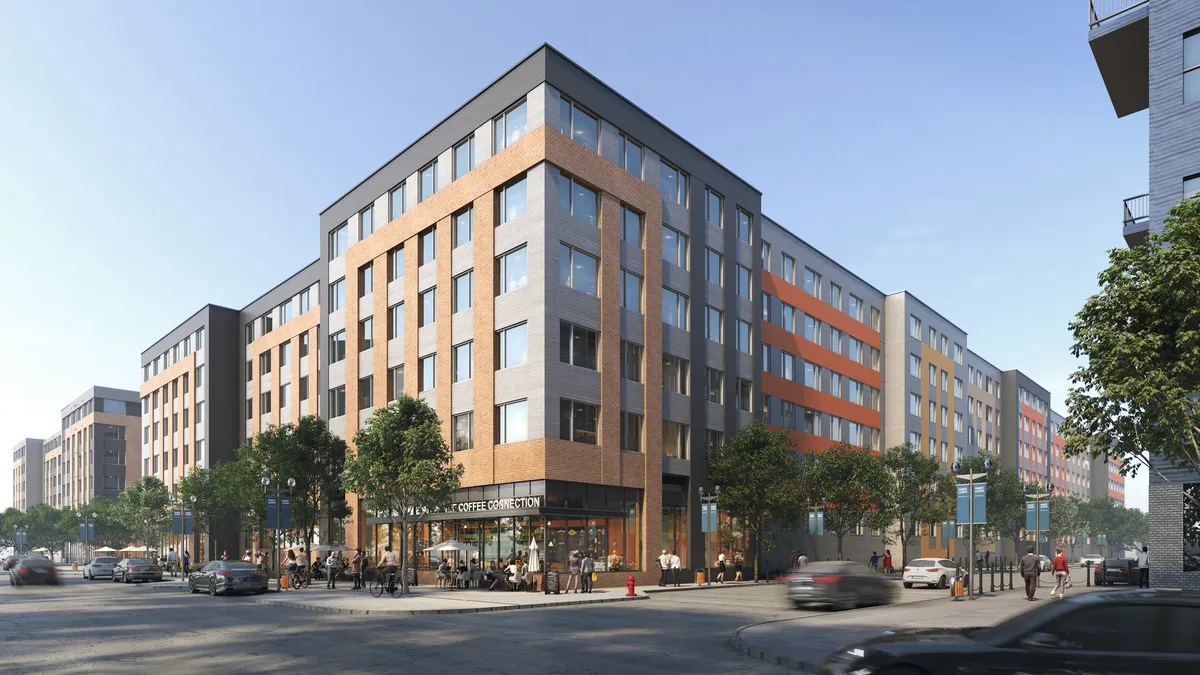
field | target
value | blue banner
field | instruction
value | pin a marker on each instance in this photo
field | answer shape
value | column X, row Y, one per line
column 285, row 512
column 187, row 521
column 708, row 517
column 816, row 522
column 963, row 512
column 89, row 534
column 22, row 540
column 176, row 521
column 1042, row 521
column 272, row 512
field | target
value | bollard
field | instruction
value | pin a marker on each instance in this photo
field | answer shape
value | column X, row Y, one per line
column 981, row 580
column 992, row 574
column 629, row 584
column 1087, row 567
column 1010, row 576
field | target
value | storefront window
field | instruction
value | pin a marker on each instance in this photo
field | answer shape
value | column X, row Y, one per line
column 674, row 534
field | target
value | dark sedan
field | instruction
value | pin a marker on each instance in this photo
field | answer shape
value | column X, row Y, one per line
column 225, row 576
column 10, row 561
column 839, row 585
column 1114, row 571
column 1116, row 633
column 33, row 571
column 137, row 569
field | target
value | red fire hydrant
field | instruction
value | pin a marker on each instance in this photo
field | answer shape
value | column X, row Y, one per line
column 629, row 585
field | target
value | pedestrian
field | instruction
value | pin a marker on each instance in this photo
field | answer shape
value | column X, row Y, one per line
column 356, row 569
column 802, row 561
column 887, row 561
column 246, row 556
column 172, row 560
column 332, row 565
column 1030, row 565
column 574, row 571
column 721, row 568
column 1143, row 563
column 225, row 554
column 262, row 560
column 737, row 566
column 588, row 568
column 187, row 562
column 664, row 567
column 874, row 561
column 676, row 566
column 987, row 558
column 979, row 560
column 1062, row 575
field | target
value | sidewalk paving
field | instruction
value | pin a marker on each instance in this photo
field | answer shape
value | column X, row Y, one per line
column 803, row 642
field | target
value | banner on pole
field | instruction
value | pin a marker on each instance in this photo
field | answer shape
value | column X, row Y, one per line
column 963, row 512
column 708, row 517
column 187, row 521
column 285, row 512
column 816, row 522
column 1040, row 521
column 176, row 521
column 88, row 532
column 272, row 512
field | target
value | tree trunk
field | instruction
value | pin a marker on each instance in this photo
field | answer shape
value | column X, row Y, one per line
column 840, row 536
column 758, row 549
column 404, row 556
column 903, row 547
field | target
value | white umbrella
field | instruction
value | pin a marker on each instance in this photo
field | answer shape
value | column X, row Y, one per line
column 453, row 545
column 105, row 549
column 333, row 547
column 535, row 560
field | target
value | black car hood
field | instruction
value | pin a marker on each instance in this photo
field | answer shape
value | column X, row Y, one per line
column 918, row 635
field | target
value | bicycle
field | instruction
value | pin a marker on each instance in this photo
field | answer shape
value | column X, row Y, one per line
column 382, row 583
column 297, row 578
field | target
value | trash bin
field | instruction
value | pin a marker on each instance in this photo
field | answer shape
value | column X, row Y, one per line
column 956, row 587
column 699, row 577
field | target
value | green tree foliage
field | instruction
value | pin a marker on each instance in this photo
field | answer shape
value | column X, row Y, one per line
column 142, row 507
column 11, row 520
column 918, row 494
column 1122, row 526
column 46, row 527
column 759, row 475
column 851, row 486
column 1139, row 336
column 1066, row 522
column 111, row 530
column 403, row 466
column 224, row 493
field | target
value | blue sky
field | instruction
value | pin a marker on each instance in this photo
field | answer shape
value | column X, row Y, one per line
column 963, row 151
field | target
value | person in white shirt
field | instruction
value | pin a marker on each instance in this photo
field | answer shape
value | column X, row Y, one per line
column 246, row 556
column 802, row 561
column 664, row 564
column 1143, row 563
column 675, row 565
column 332, row 564
column 514, row 574
column 721, row 568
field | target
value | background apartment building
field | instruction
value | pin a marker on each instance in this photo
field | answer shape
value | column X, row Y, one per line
column 97, row 452
column 52, row 470
column 27, row 473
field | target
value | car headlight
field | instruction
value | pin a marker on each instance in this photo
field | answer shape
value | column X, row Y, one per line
column 848, row 662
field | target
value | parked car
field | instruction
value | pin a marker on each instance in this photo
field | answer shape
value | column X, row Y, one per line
column 1114, row 571
column 137, row 569
column 1120, row 632
column 10, row 561
column 1043, row 563
column 1091, row 560
column 100, row 566
column 221, row 576
column 33, row 570
column 839, row 585
column 936, row 572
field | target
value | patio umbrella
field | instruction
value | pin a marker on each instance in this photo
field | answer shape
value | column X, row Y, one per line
column 535, row 560
column 333, row 548
column 453, row 545
column 42, row 549
column 106, row 549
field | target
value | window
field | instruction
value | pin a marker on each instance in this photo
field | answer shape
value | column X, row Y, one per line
column 932, row 337
column 958, row 354
column 812, row 329
column 337, row 402
column 944, row 419
column 509, row 127
column 712, row 324
column 264, row 363
column 1191, row 184
column 789, row 269
column 577, row 421
column 1191, row 67
column 767, row 301
column 673, row 182
column 512, row 346
column 631, row 226
column 676, row 439
column 835, row 295
column 958, row 421
column 765, row 249
column 199, row 377
column 875, row 317
column 743, row 394
column 337, row 295
column 396, row 263
column 812, row 283
column 264, row 402
column 577, row 269
column 578, row 125
column 855, row 308
column 304, row 389
column 428, row 307
column 428, row 245
column 743, row 282
column 427, row 372
column 285, row 312
column 577, row 345
column 630, row 156
column 914, row 327
column 337, row 346
column 675, row 308
column 513, row 201
column 464, row 157
column 396, row 321
column 714, row 385
column 285, row 395
column 463, row 358
column 463, row 284
column 674, row 246
column 932, row 375
column 631, row 361
column 675, row 374
column 743, row 337
column 366, row 280
column 743, row 225
column 395, row 384
column 285, row 354
column 577, row 200
column 835, row 341
column 788, row 319
column 631, row 432
column 339, row 240
column 943, row 345
column 396, row 202
column 366, row 222
column 512, row 421
column 958, row 388
column 464, row 425
column 835, row 428
column 631, row 291
column 787, row 366
column 428, row 184
column 914, row 405
column 945, row 382
column 512, row 271
column 914, row 439
column 712, row 266
column 366, row 334
column 249, row 370
column 267, row 322
column 464, row 226
column 712, row 207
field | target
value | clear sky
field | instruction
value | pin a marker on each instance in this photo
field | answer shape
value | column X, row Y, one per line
column 966, row 152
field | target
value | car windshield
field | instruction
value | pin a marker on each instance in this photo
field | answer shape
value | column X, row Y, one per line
column 1012, row 628
column 239, row 565
column 922, row 562
column 137, row 561
column 105, row 560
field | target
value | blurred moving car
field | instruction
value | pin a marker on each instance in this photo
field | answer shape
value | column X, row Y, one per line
column 1131, row 631
column 33, row 570
column 1114, row 571
column 10, row 561
column 137, row 569
column 100, row 566
column 838, row 584
column 1091, row 560
column 221, row 576
column 936, row 572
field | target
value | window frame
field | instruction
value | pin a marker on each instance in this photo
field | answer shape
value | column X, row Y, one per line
column 469, row 144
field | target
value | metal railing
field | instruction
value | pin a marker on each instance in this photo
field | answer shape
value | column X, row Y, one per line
column 1100, row 11
column 1137, row 209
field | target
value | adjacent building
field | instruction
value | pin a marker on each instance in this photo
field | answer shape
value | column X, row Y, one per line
column 27, row 473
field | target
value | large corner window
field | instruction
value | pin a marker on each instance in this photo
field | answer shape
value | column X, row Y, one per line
column 577, row 124
column 509, row 127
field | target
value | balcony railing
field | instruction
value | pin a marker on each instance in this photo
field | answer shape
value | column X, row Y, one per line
column 1137, row 209
column 1100, row 11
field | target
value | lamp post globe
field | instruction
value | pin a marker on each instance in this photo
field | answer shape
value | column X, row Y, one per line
column 956, row 467
column 291, row 482
column 266, row 480
column 93, row 514
column 193, row 498
column 987, row 465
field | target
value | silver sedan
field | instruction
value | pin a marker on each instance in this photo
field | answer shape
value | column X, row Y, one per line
column 224, row 576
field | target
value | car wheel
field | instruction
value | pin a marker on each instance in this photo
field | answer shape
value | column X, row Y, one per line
column 908, row 584
column 212, row 589
column 941, row 584
column 192, row 586
column 850, row 601
column 125, row 578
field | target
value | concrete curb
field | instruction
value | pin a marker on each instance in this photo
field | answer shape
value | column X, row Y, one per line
column 420, row 612
column 714, row 586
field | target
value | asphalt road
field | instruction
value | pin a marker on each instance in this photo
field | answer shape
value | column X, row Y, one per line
column 83, row 627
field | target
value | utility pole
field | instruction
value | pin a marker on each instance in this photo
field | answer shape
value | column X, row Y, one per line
column 971, row 478
column 707, row 501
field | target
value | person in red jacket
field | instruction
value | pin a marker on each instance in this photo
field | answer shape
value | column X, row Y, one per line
column 1062, row 575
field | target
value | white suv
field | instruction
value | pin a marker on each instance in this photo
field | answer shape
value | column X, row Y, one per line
column 1094, row 558
column 99, row 567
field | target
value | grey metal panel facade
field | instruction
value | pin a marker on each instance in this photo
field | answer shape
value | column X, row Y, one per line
column 1174, row 126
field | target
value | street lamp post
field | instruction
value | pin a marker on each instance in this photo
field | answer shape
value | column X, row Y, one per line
column 277, row 492
column 86, row 529
column 192, row 499
column 1037, row 517
column 971, row 478
column 707, row 498
column 21, row 542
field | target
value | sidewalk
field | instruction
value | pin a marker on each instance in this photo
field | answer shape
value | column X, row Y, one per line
column 803, row 642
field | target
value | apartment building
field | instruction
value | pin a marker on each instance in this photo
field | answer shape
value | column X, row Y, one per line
column 52, row 470
column 1070, row 475
column 94, row 457
column 1148, row 54
column 27, row 473
column 1025, row 409
column 983, row 406
column 1106, row 478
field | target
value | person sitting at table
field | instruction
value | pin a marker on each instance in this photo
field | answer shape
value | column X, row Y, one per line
column 514, row 574
column 443, row 573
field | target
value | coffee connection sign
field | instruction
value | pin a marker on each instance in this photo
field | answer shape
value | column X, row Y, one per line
column 506, row 504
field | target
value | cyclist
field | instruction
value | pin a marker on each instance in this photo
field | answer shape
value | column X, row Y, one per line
column 387, row 565
column 291, row 564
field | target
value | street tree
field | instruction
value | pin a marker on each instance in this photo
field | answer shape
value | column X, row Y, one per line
column 403, row 466
column 918, row 494
column 111, row 530
column 1066, row 523
column 46, row 527
column 12, row 519
column 143, row 507
column 850, row 485
column 1139, row 339
column 759, row 476
column 224, row 493
column 1121, row 526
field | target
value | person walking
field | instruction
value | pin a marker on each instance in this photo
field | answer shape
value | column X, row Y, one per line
column 187, row 562
column 664, row 567
column 887, row 561
column 246, row 556
column 356, row 569
column 1143, row 563
column 1062, row 575
column 588, row 567
column 874, row 561
column 332, row 565
column 675, row 567
column 172, row 560
column 721, row 568
column 1030, row 565
column 979, row 560
column 574, row 572
column 801, row 561
column 737, row 566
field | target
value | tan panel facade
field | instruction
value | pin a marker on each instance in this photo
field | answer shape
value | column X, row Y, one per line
column 289, row 333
